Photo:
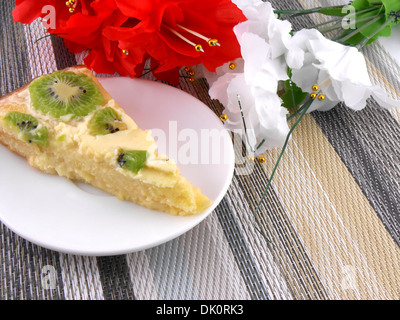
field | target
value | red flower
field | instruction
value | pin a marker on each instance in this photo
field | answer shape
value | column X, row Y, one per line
column 169, row 31
column 81, row 28
column 121, row 35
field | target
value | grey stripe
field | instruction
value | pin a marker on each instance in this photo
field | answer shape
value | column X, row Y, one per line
column 22, row 262
column 14, row 68
column 287, row 250
column 64, row 58
column 115, row 279
column 23, row 276
column 197, row 265
column 242, row 254
column 371, row 153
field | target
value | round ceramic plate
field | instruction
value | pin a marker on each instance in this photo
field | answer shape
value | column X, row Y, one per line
column 75, row 218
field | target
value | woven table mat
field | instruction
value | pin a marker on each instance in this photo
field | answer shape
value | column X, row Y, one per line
column 332, row 212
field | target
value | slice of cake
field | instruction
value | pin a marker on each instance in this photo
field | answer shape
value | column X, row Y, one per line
column 65, row 123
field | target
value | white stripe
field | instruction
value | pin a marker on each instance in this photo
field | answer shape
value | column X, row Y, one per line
column 197, row 265
column 81, row 278
column 328, row 229
column 258, row 246
column 141, row 276
column 41, row 54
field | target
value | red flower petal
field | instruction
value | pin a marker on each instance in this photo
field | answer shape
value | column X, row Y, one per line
column 26, row 11
column 135, row 8
column 97, row 61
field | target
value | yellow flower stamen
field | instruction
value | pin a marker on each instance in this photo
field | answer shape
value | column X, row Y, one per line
column 211, row 42
column 71, row 4
column 197, row 47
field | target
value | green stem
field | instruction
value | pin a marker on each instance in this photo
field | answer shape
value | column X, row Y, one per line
column 358, row 30
column 260, row 144
column 374, row 7
column 341, row 18
column 304, row 109
column 148, row 71
column 316, row 26
column 297, row 112
column 337, row 38
column 49, row 35
column 303, row 11
column 244, row 123
column 366, row 39
column 297, row 11
column 331, row 28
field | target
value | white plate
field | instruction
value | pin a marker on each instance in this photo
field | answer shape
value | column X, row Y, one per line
column 58, row 214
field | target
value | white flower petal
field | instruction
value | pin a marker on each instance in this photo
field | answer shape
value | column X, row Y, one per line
column 218, row 88
column 297, row 47
column 305, row 77
column 380, row 95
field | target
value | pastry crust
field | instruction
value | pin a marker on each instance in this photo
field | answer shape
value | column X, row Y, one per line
column 73, row 153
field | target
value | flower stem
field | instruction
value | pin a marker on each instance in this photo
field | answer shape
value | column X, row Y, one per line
column 331, row 28
column 294, row 13
column 304, row 110
column 356, row 31
column 366, row 39
column 244, row 123
column 297, row 112
column 316, row 26
column 350, row 15
column 49, row 35
column 148, row 71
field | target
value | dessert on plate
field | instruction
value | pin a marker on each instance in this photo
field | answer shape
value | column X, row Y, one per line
column 66, row 123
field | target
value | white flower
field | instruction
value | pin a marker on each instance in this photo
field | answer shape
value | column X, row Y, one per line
column 262, row 21
column 249, row 94
column 232, row 67
column 340, row 72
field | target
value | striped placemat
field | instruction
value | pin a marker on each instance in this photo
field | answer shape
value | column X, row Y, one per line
column 332, row 212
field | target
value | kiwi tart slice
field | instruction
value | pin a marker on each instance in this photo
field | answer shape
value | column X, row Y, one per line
column 105, row 121
column 90, row 138
column 64, row 93
column 28, row 126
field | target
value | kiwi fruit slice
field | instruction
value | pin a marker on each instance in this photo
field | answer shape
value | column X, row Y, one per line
column 30, row 129
column 132, row 160
column 63, row 93
column 105, row 121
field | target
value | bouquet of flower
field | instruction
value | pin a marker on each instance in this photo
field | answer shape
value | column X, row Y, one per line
column 266, row 74
column 120, row 36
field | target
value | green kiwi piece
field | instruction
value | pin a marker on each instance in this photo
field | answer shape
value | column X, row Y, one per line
column 63, row 93
column 30, row 129
column 105, row 121
column 132, row 160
